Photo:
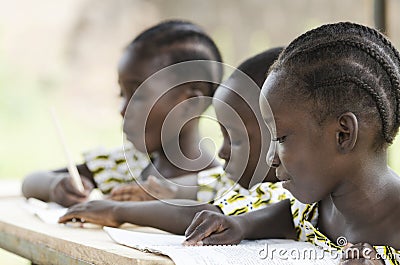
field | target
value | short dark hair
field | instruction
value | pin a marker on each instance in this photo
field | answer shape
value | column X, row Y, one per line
column 257, row 67
column 183, row 41
column 346, row 67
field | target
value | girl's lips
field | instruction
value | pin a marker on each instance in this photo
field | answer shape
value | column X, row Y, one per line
column 281, row 178
column 285, row 184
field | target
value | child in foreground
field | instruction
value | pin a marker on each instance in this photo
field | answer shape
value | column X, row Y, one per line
column 335, row 97
column 163, row 45
column 235, row 103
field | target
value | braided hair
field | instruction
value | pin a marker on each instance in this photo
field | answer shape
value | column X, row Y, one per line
column 181, row 41
column 347, row 67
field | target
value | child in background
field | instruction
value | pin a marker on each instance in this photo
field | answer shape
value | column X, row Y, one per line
column 335, row 97
column 163, row 45
column 236, row 96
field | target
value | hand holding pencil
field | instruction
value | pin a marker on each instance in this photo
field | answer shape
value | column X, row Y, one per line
column 64, row 192
column 68, row 188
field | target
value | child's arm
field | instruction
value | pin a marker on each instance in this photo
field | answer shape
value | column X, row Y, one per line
column 170, row 216
column 273, row 221
column 57, row 186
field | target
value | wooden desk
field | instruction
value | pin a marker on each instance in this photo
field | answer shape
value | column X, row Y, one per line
column 25, row 235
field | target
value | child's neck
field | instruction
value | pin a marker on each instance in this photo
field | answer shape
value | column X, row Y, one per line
column 364, row 207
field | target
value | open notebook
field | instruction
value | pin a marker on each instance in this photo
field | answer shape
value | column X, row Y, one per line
column 50, row 212
column 271, row 251
column 47, row 212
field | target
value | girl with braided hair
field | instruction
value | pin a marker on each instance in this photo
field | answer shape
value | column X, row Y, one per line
column 334, row 98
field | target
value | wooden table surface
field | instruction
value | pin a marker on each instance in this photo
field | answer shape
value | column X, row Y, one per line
column 25, row 235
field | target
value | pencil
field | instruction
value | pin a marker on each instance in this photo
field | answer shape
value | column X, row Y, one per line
column 73, row 171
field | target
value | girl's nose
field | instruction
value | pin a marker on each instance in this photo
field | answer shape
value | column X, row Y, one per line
column 225, row 151
column 123, row 108
column 272, row 156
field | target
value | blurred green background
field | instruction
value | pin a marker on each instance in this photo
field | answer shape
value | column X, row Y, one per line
column 64, row 54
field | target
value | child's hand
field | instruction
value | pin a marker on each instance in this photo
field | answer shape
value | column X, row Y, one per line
column 152, row 189
column 99, row 212
column 64, row 192
column 361, row 253
column 211, row 228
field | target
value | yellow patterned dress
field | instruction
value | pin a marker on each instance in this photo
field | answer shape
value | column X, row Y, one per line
column 114, row 167
column 233, row 199
column 305, row 218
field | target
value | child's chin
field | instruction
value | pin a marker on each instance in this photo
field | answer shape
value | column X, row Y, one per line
column 303, row 198
column 139, row 145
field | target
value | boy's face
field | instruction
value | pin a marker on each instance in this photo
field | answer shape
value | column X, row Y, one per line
column 144, row 110
column 242, row 148
column 302, row 151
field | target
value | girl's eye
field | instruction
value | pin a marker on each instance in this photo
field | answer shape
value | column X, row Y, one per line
column 236, row 142
column 279, row 139
column 137, row 97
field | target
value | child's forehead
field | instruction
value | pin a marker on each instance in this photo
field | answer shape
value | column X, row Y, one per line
column 227, row 101
column 134, row 59
column 228, row 96
column 239, row 87
column 280, row 85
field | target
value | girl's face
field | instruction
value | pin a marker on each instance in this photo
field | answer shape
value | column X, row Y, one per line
column 144, row 111
column 242, row 145
column 302, row 151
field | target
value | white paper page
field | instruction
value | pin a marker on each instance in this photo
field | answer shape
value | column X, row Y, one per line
column 272, row 251
column 143, row 241
column 47, row 212
column 50, row 212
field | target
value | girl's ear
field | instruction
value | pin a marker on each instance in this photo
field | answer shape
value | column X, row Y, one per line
column 347, row 133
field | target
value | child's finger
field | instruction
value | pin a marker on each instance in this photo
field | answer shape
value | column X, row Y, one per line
column 197, row 220
column 347, row 246
column 126, row 189
column 72, row 199
column 75, row 212
column 153, row 181
column 358, row 251
column 71, row 189
column 199, row 234
column 223, row 238
column 68, row 217
column 121, row 189
column 133, row 195
column 160, row 189
column 202, row 231
column 116, row 191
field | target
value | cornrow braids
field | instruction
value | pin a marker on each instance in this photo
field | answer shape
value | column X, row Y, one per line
column 182, row 41
column 347, row 67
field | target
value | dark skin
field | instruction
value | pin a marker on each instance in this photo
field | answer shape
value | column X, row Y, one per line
column 133, row 69
column 145, row 132
column 224, row 98
column 335, row 165
column 57, row 186
column 156, row 213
